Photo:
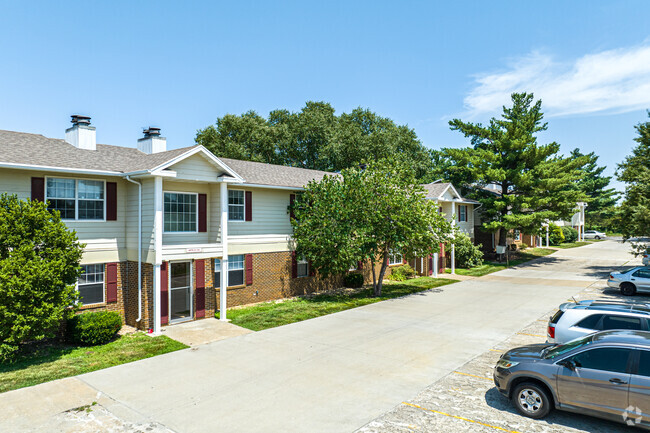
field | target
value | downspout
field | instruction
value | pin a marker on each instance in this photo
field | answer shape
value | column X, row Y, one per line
column 139, row 247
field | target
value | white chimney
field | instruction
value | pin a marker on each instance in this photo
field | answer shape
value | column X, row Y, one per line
column 81, row 135
column 152, row 142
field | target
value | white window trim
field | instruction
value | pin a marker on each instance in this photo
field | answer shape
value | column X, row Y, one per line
column 244, row 206
column 197, row 212
column 391, row 263
column 466, row 208
column 76, row 285
column 243, row 270
column 302, row 261
column 76, row 199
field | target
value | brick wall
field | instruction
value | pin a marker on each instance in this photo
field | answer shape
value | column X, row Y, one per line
column 131, row 290
column 118, row 306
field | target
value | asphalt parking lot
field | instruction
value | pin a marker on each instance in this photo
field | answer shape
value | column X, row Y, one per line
column 467, row 400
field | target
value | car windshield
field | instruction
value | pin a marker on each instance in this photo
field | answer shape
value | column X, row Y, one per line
column 560, row 349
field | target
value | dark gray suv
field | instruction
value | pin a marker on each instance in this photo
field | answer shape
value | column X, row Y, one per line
column 606, row 374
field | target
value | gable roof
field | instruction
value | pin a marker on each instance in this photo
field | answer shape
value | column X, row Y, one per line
column 260, row 173
column 436, row 190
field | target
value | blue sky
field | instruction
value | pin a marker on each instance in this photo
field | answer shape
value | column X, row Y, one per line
column 180, row 65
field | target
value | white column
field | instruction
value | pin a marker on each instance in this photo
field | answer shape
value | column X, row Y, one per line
column 546, row 236
column 435, row 265
column 157, row 237
column 223, row 305
column 453, row 247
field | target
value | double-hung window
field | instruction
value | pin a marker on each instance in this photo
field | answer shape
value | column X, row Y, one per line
column 303, row 267
column 395, row 258
column 90, row 284
column 235, row 270
column 462, row 213
column 236, row 200
column 180, row 212
column 76, row 199
column 217, row 274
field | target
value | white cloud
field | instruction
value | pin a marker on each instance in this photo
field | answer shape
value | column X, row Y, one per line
column 608, row 81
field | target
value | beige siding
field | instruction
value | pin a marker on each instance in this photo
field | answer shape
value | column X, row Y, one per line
column 466, row 227
column 105, row 240
column 270, row 216
column 188, row 238
column 214, row 212
column 196, row 168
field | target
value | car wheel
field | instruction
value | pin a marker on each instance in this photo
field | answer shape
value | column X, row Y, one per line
column 628, row 289
column 531, row 400
column 598, row 237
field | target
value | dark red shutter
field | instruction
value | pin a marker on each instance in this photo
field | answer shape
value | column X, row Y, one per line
column 249, row 269
column 111, row 201
column 249, row 206
column 38, row 188
column 430, row 265
column 404, row 260
column 200, row 287
column 294, row 265
column 203, row 213
column 440, row 209
column 312, row 272
column 111, row 282
column 359, row 265
column 164, row 299
column 292, row 199
column 388, row 260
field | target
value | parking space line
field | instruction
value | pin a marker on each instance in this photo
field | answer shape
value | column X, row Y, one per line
column 473, row 375
column 532, row 335
column 459, row 417
column 496, row 350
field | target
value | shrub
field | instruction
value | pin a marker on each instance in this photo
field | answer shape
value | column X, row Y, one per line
column 401, row 273
column 523, row 246
column 570, row 234
column 94, row 328
column 555, row 234
column 39, row 265
column 353, row 280
column 468, row 255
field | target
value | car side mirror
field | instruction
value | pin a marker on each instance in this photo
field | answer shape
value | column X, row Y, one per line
column 568, row 364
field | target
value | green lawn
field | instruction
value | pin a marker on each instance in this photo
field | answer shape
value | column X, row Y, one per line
column 489, row 267
column 55, row 361
column 573, row 244
column 272, row 314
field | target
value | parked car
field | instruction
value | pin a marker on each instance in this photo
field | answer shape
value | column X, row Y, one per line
column 593, row 234
column 630, row 281
column 606, row 374
column 574, row 320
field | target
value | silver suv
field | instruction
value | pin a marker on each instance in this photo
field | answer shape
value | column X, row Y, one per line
column 605, row 375
column 574, row 320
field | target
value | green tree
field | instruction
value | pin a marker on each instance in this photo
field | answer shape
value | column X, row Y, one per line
column 39, row 265
column 364, row 215
column 601, row 200
column 635, row 172
column 315, row 138
column 530, row 181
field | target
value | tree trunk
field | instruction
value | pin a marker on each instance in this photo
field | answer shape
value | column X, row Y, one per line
column 382, row 271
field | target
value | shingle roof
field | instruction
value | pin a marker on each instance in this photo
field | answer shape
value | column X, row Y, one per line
column 435, row 190
column 35, row 149
column 259, row 173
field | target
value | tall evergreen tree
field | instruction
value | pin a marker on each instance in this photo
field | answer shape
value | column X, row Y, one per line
column 601, row 200
column 635, row 172
column 528, row 181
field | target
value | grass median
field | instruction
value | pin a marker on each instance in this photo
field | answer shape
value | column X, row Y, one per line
column 272, row 314
column 489, row 267
column 46, row 362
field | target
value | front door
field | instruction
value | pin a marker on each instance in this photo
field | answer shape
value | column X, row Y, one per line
column 599, row 382
column 180, row 291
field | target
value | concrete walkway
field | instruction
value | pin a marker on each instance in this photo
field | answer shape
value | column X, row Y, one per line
column 330, row 374
column 203, row 331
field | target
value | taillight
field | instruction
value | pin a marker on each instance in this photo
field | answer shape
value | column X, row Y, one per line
column 551, row 331
column 611, row 277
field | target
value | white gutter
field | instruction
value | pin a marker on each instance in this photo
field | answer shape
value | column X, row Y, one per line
column 59, row 169
column 289, row 188
column 139, row 247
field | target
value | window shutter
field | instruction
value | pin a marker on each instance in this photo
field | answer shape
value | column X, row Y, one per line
column 111, row 282
column 430, row 265
column 404, row 260
column 164, row 299
column 200, row 287
column 292, row 199
column 388, row 260
column 111, row 201
column 203, row 213
column 249, row 269
column 294, row 265
column 38, row 188
column 249, row 206
column 440, row 209
column 359, row 265
column 311, row 270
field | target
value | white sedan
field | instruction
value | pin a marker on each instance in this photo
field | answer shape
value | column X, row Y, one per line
column 593, row 234
column 631, row 281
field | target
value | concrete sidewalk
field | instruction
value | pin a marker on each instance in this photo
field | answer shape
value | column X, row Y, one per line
column 338, row 372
